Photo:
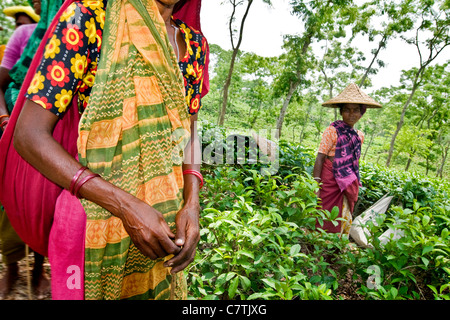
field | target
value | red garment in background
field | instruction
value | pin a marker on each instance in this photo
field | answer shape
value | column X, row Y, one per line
column 332, row 196
column 27, row 196
column 190, row 15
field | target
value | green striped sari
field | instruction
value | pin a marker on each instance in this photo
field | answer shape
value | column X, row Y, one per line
column 131, row 133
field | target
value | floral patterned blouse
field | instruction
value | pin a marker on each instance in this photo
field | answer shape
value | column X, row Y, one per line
column 71, row 55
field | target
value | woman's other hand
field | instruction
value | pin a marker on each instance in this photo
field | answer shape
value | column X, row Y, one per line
column 187, row 237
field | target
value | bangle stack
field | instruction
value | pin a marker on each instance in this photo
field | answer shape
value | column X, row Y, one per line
column 75, row 184
column 5, row 122
column 195, row 173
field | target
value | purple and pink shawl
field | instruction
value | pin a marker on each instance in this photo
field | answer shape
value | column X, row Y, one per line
column 348, row 151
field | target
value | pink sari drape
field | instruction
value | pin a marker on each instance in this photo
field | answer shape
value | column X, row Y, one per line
column 27, row 196
column 332, row 196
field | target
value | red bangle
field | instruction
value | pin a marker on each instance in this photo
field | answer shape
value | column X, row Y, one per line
column 3, row 124
column 83, row 181
column 195, row 173
column 75, row 179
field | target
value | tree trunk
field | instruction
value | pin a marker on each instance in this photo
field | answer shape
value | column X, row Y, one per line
column 411, row 155
column 370, row 142
column 402, row 120
column 380, row 45
column 280, row 120
column 226, row 87
column 305, row 123
column 440, row 171
column 292, row 87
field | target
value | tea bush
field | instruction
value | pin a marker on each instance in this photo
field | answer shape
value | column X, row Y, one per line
column 259, row 241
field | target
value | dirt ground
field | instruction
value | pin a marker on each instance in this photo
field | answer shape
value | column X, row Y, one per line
column 20, row 290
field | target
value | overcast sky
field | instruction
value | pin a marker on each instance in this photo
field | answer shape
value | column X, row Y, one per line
column 265, row 27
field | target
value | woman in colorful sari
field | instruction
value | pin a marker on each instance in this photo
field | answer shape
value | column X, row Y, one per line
column 337, row 163
column 11, row 79
column 126, row 222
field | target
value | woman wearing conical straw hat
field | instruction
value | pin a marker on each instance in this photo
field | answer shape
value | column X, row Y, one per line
column 337, row 163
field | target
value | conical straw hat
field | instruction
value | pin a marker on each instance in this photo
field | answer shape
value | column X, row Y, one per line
column 352, row 94
column 12, row 11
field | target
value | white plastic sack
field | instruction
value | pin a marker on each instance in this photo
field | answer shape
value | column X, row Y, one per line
column 358, row 230
column 391, row 234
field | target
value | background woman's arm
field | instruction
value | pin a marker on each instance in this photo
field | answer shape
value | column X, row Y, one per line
column 318, row 164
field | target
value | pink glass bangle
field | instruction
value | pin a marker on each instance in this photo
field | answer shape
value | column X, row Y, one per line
column 195, row 173
column 82, row 182
column 75, row 179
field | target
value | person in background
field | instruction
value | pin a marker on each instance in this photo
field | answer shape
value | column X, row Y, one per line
column 336, row 167
column 26, row 22
column 22, row 14
column 12, row 75
column 129, row 212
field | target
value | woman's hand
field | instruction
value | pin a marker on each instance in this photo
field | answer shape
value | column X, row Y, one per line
column 148, row 230
column 187, row 237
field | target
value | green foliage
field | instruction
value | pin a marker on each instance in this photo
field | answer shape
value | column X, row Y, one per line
column 250, row 246
column 259, row 238
column 8, row 23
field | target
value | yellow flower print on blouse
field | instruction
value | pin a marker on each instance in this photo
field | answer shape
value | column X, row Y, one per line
column 52, row 48
column 100, row 17
column 41, row 103
column 192, row 65
column 189, row 94
column 66, row 76
column 190, row 70
column 187, row 31
column 69, row 14
column 199, row 53
column 89, row 79
column 93, row 4
column 37, row 83
column 63, row 99
column 195, row 104
column 79, row 64
column 91, row 30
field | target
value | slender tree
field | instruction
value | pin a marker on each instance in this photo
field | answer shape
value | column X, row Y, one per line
column 434, row 24
column 235, row 44
column 322, row 20
column 396, row 18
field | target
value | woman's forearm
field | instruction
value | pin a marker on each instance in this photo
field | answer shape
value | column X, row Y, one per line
column 38, row 147
column 318, row 164
column 192, row 161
